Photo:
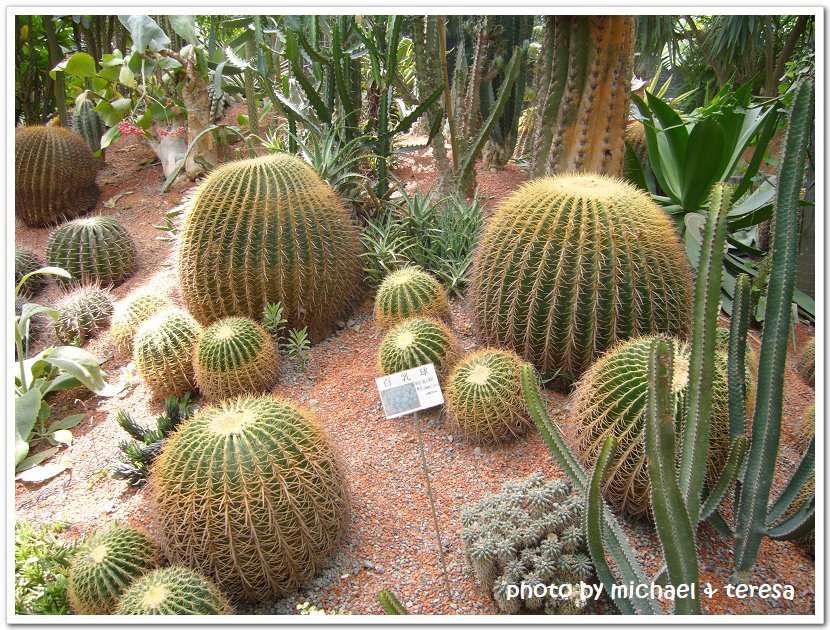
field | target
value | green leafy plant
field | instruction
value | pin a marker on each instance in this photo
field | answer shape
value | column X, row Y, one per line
column 40, row 567
column 273, row 319
column 297, row 345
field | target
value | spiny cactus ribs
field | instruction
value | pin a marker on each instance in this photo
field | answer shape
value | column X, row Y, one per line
column 83, row 312
column 95, row 249
column 265, row 496
column 173, row 591
column 485, row 400
column 569, row 265
column 54, row 175
column 26, row 261
column 269, row 230
column 417, row 341
column 88, row 124
column 529, row 533
column 410, row 292
column 105, row 565
column 235, row 356
column 805, row 365
column 131, row 313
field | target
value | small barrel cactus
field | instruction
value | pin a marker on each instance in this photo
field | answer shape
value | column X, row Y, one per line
column 417, row 341
column 26, row 261
column 163, row 352
column 105, row 565
column 235, row 356
column 269, row 230
column 173, row 591
column 96, row 249
column 485, row 400
column 54, row 175
column 83, row 312
column 88, row 124
column 410, row 292
column 571, row 264
column 805, row 363
column 131, row 313
column 251, row 494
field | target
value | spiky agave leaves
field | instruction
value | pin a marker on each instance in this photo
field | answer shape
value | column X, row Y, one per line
column 485, row 400
column 417, row 341
column 83, row 312
column 264, row 495
column 105, row 565
column 265, row 230
column 54, row 175
column 163, row 352
column 410, row 292
column 174, row 591
column 131, row 313
column 95, row 249
column 569, row 265
column 235, row 356
column 26, row 261
column 805, row 364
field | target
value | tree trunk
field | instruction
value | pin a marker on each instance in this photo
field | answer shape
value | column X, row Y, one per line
column 786, row 53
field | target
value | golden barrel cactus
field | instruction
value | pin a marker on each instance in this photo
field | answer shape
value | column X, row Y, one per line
column 173, row 591
column 417, row 341
column 163, row 352
column 410, row 292
column 131, row 313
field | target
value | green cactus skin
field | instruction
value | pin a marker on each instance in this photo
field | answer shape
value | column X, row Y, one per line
column 88, row 124
column 485, row 400
column 269, row 230
column 410, row 292
column 83, row 312
column 571, row 264
column 131, row 313
column 251, row 494
column 417, row 341
column 235, row 356
column 163, row 352
column 95, row 249
column 173, row 591
column 805, row 364
column 105, row 566
column 26, row 261
column 54, row 175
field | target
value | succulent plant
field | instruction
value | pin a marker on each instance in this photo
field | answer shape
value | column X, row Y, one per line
column 105, row 565
column 531, row 533
column 485, row 400
column 54, row 175
column 804, row 428
column 235, row 356
column 173, row 591
column 635, row 137
column 163, row 352
column 88, row 124
column 264, row 495
column 410, row 292
column 417, row 341
column 265, row 230
column 95, row 249
column 131, row 313
column 805, row 364
column 83, row 312
column 571, row 264
column 37, row 324
column 26, row 261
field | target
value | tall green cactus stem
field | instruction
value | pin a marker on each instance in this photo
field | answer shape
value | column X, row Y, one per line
column 25, row 262
column 569, row 265
column 54, row 175
column 390, row 604
column 428, row 77
column 88, row 124
column 82, row 313
column 130, row 314
column 173, row 591
column 163, row 351
column 269, row 230
column 410, row 292
column 584, row 93
column 95, row 249
column 418, row 341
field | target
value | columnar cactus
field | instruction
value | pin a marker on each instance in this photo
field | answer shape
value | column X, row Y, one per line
column 569, row 265
column 410, row 292
column 26, row 261
column 105, row 565
column 131, row 313
column 163, row 352
column 235, row 356
column 528, row 122
column 88, row 124
column 173, row 591
column 54, row 175
column 83, row 312
column 264, row 495
column 269, row 230
column 417, row 341
column 805, row 364
column 485, row 400
column 95, row 249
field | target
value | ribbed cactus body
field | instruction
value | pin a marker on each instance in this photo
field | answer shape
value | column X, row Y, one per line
column 26, row 261
column 54, row 175
column 105, row 565
column 173, row 591
column 269, row 230
column 417, row 341
column 163, row 352
column 88, row 124
column 635, row 137
column 131, row 313
column 95, row 249
column 251, row 494
column 528, row 122
column 83, row 312
column 485, row 400
column 410, row 292
column 569, row 265
column 235, row 356
column 805, row 364
column 804, row 428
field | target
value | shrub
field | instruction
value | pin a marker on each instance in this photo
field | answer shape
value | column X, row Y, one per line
column 163, row 352
column 40, row 567
column 410, row 292
column 83, row 312
column 417, row 341
column 173, row 591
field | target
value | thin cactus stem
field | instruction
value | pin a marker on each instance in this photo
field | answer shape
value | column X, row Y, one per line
column 790, row 493
column 738, row 326
column 442, row 48
column 390, row 604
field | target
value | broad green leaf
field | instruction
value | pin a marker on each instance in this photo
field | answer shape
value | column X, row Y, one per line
column 185, row 27
column 81, row 65
column 69, row 422
column 144, row 32
column 26, row 409
column 112, row 134
column 126, row 77
column 700, row 171
column 41, row 473
column 34, row 460
column 62, row 436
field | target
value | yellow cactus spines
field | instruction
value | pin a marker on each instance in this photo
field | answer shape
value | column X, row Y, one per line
column 250, row 494
column 174, row 591
column 131, row 313
column 569, row 265
column 265, row 230
column 163, row 352
column 410, row 292
column 82, row 313
column 418, row 341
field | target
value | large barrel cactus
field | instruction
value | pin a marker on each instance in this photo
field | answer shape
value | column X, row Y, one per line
column 251, row 494
column 571, row 264
column 54, row 175
column 410, row 292
column 130, row 314
column 173, row 591
column 269, row 230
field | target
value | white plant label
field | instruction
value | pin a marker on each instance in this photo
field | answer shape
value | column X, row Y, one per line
column 409, row 391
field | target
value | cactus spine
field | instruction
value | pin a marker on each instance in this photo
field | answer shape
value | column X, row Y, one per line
column 410, row 292
column 417, row 341
column 89, row 125
column 173, row 591
column 83, row 312
column 26, row 261
column 131, row 313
